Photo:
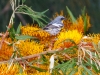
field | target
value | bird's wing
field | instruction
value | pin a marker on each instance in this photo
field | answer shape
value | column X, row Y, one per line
column 50, row 27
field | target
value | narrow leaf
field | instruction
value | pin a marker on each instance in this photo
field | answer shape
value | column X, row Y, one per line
column 83, row 12
column 85, row 24
column 73, row 71
column 18, row 29
column 20, row 70
column 12, row 32
column 71, row 15
column 37, row 68
column 23, row 37
column 87, row 70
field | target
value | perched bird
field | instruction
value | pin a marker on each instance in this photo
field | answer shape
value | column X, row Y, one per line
column 55, row 25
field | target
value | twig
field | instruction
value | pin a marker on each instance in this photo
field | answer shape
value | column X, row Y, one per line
column 3, row 38
column 9, row 26
column 67, row 56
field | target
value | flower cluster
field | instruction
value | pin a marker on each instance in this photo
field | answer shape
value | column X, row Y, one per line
column 71, row 45
column 29, row 47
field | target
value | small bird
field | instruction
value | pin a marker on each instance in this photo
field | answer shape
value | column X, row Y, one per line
column 55, row 25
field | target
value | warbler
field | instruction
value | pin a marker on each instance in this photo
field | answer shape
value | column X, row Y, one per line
column 55, row 25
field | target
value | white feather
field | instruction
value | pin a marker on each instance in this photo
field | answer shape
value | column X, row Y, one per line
column 58, row 25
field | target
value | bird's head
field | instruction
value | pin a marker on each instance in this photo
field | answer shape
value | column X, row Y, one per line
column 59, row 19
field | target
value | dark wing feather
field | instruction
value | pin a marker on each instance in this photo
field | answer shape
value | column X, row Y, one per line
column 50, row 27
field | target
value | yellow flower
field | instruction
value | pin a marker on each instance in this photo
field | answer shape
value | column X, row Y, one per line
column 6, row 69
column 30, row 47
column 22, row 73
column 42, row 35
column 70, row 34
column 33, row 31
column 94, row 38
column 42, row 73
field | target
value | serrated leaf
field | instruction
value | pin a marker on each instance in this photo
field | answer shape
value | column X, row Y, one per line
column 18, row 29
column 73, row 19
column 23, row 37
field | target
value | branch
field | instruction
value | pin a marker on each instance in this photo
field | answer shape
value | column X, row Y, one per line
column 32, row 56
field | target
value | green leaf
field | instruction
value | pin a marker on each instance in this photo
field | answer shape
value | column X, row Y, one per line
column 85, row 24
column 71, row 15
column 23, row 37
column 70, row 50
column 62, row 65
column 70, row 66
column 93, row 65
column 18, row 29
column 20, row 70
column 56, row 72
column 12, row 32
column 73, row 71
column 37, row 68
column 43, row 59
column 36, row 16
column 83, row 72
column 87, row 70
column 83, row 11
column 65, row 67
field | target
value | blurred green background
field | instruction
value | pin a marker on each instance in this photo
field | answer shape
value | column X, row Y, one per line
column 92, row 8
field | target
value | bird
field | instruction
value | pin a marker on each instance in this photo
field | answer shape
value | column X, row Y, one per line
column 54, row 27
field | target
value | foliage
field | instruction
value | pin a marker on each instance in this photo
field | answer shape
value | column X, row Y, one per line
column 71, row 52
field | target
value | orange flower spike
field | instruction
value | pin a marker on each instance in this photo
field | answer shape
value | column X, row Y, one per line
column 30, row 47
column 6, row 50
column 88, row 21
column 35, row 31
column 6, row 70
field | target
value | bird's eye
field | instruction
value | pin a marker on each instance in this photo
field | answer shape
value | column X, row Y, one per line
column 62, row 18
